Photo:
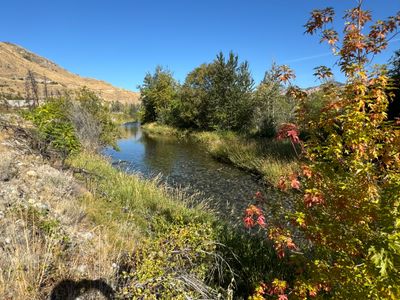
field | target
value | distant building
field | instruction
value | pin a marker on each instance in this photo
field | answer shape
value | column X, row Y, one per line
column 19, row 103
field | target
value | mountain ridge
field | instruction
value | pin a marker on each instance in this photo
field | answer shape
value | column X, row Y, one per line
column 16, row 61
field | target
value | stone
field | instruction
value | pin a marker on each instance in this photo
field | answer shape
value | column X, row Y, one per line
column 87, row 235
column 81, row 268
column 31, row 174
column 42, row 206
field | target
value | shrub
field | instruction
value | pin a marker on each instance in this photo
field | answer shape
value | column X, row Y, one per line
column 68, row 124
column 54, row 126
column 341, row 227
column 93, row 107
column 173, row 265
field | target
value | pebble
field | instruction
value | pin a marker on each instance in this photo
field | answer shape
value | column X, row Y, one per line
column 81, row 269
column 42, row 206
column 31, row 173
column 87, row 235
column 7, row 240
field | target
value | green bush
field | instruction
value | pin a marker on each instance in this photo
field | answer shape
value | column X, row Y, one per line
column 67, row 125
column 173, row 265
column 54, row 126
column 92, row 104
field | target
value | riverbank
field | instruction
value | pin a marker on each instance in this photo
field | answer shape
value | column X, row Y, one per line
column 270, row 159
column 122, row 118
column 92, row 227
column 86, row 229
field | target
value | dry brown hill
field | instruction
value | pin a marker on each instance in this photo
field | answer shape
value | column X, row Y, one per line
column 15, row 62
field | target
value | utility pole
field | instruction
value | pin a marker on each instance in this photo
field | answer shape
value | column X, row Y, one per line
column 46, row 92
column 32, row 86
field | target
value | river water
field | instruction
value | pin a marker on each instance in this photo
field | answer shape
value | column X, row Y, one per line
column 184, row 164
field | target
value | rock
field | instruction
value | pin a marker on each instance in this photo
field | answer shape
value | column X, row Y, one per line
column 81, row 269
column 7, row 240
column 7, row 168
column 42, row 206
column 31, row 174
column 87, row 235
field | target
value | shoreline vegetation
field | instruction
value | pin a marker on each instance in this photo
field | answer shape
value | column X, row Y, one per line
column 136, row 235
column 268, row 158
column 73, row 226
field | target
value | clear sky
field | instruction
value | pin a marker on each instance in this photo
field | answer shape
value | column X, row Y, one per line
column 120, row 40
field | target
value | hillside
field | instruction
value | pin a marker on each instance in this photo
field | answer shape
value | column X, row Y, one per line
column 15, row 62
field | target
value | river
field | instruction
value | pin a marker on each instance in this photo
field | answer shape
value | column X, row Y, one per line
column 184, row 164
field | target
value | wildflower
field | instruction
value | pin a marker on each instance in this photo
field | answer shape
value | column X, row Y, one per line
column 294, row 182
column 282, row 183
column 261, row 221
column 248, row 222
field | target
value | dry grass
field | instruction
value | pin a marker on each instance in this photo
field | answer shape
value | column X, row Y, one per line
column 46, row 234
column 38, row 253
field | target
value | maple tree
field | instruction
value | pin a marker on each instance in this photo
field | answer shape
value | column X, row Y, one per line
column 342, row 225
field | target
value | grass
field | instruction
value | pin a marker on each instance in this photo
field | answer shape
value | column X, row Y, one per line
column 140, row 216
column 144, row 216
column 144, row 200
column 122, row 118
column 265, row 157
column 143, row 235
column 40, row 253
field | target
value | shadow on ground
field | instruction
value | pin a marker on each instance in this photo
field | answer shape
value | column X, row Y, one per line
column 70, row 290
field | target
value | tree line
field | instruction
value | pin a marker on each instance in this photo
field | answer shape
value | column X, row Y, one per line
column 220, row 95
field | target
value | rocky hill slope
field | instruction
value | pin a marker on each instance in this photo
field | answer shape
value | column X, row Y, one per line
column 15, row 62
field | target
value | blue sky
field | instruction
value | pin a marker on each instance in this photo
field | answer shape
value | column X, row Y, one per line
column 120, row 40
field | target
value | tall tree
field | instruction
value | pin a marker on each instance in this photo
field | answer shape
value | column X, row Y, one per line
column 194, row 108
column 158, row 92
column 230, row 93
column 272, row 106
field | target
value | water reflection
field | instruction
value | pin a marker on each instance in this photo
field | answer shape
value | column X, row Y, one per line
column 184, row 164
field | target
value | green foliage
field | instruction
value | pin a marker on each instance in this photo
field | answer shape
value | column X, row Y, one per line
column 91, row 103
column 193, row 108
column 123, row 112
column 214, row 96
column 313, row 106
column 253, row 259
column 230, row 93
column 272, row 106
column 173, row 265
column 69, row 124
column 158, row 92
column 394, row 71
column 217, row 95
column 175, row 243
column 54, row 126
column 144, row 200
column 344, row 213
